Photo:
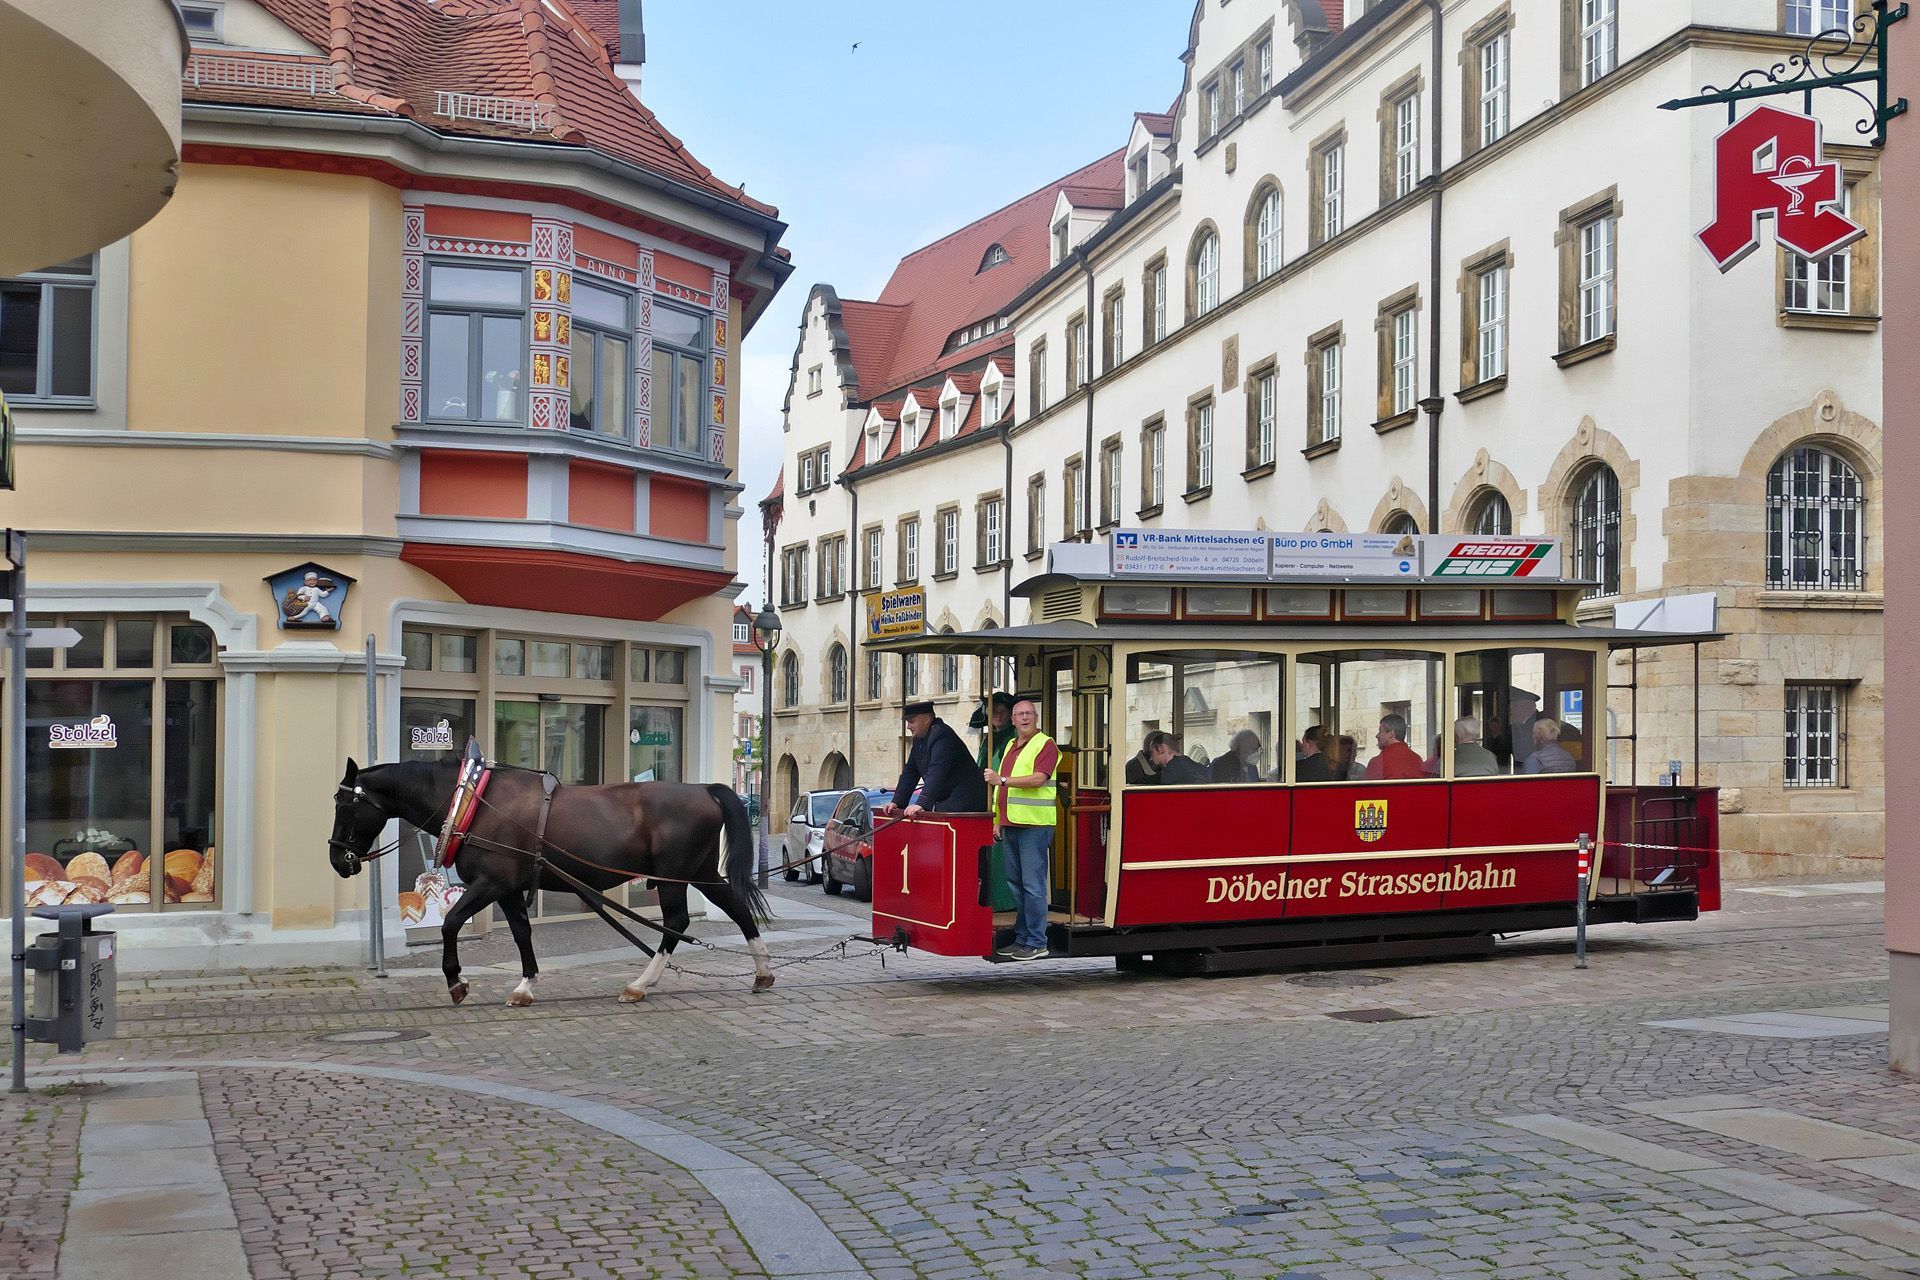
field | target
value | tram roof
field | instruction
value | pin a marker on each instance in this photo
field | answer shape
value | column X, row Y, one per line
column 1337, row 635
column 1042, row 583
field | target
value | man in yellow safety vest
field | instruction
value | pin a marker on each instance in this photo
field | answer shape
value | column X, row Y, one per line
column 1023, row 816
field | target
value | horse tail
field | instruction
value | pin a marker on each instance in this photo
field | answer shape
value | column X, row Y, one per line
column 736, row 849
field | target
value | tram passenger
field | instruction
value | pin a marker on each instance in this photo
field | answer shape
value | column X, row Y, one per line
column 1240, row 762
column 940, row 765
column 1396, row 758
column 1523, row 712
column 1023, row 817
column 999, row 731
column 1161, row 764
column 1470, row 759
column 1548, row 755
column 1341, row 765
column 1310, row 762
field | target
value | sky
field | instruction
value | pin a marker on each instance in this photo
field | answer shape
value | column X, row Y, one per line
column 942, row 114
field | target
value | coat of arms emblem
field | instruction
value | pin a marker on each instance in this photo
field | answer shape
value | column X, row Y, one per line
column 1369, row 820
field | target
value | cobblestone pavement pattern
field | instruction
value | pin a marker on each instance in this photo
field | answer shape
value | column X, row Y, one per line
column 1504, row 1118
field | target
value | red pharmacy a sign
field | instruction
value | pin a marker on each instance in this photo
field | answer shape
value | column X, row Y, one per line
column 1768, row 164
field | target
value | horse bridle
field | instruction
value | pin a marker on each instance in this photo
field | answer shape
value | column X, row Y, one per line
column 351, row 856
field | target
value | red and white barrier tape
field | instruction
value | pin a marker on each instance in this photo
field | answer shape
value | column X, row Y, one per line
column 1754, row 853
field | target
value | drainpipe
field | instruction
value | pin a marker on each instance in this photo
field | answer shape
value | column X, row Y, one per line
column 1435, row 401
column 1086, row 368
column 1006, row 573
column 856, row 660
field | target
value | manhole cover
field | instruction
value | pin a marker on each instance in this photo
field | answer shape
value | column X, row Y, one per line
column 1339, row 980
column 372, row 1035
column 1371, row 1015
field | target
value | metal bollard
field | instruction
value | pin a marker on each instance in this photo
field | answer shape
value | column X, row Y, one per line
column 1580, row 903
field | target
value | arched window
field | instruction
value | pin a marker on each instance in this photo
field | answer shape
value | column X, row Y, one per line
column 1596, row 529
column 1266, row 233
column 873, row 675
column 1206, row 273
column 910, row 675
column 1400, row 523
column 790, row 679
column 1815, row 514
column 1490, row 516
column 837, row 674
column 949, row 668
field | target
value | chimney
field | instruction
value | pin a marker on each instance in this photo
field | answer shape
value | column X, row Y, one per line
column 633, row 45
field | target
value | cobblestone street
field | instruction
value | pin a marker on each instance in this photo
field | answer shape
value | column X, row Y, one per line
column 1706, row 1100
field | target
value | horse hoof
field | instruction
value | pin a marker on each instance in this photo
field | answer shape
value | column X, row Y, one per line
column 520, row 999
column 632, row 995
column 458, row 991
column 762, row 981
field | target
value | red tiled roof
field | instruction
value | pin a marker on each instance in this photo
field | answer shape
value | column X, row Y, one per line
column 1336, row 15
column 965, row 383
column 602, row 17
column 1095, row 197
column 778, row 491
column 1159, row 125
column 926, row 397
column 393, row 57
column 1004, row 364
column 937, row 289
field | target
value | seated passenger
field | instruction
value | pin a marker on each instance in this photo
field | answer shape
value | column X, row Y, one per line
column 1470, row 759
column 1548, row 755
column 1141, row 770
column 1310, row 762
column 1341, row 765
column 1396, row 758
column 1163, row 765
column 1240, row 762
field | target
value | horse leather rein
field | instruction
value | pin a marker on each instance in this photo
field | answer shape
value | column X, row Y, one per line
column 352, row 856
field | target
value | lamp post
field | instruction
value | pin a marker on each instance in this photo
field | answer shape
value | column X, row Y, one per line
column 766, row 638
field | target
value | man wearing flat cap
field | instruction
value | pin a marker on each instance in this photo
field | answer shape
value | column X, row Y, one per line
column 940, row 766
column 998, row 733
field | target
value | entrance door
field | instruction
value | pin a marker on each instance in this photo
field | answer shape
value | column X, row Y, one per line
column 566, row 739
column 431, row 728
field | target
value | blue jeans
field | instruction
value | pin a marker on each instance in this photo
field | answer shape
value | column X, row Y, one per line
column 1029, row 850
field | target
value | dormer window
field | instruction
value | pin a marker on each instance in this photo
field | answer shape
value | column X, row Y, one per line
column 1060, row 240
column 202, row 23
column 990, row 405
column 909, row 428
column 1137, row 175
column 949, row 419
column 873, row 446
column 994, row 256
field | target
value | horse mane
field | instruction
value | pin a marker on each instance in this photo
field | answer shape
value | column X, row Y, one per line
column 411, row 782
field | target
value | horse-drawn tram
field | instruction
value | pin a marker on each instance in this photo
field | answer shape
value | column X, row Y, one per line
column 1300, row 749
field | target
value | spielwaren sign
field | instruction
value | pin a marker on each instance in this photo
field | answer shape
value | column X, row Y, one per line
column 896, row 613
column 1243, row 555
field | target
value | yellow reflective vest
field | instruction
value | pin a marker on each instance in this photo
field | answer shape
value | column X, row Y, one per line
column 1028, row 806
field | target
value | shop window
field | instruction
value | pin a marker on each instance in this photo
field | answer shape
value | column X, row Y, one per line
column 550, row 658
column 679, row 378
column 133, row 643
column 47, row 334
column 476, row 343
column 509, row 657
column 191, row 644
column 416, row 651
column 89, row 652
column 655, row 738
column 457, row 652
column 593, row 661
column 670, row 666
column 427, row 891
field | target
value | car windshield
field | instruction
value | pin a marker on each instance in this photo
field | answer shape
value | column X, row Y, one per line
column 821, row 807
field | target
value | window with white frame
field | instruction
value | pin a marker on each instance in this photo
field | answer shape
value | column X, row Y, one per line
column 990, row 406
column 813, row 381
column 806, row 473
column 1406, row 144
column 1266, row 412
column 1490, row 516
column 1200, row 474
column 790, row 679
column 1238, row 78
column 1137, row 171
column 1153, row 466
column 909, row 550
column 949, row 668
column 1812, row 17
column 876, row 569
column 837, row 674
column 833, row 566
column 950, row 540
column 1816, row 735
column 949, row 419
column 47, row 334
column 1403, row 360
column 476, row 343
column 679, row 378
column 1076, row 352
column 742, row 634
column 1037, row 377
column 1596, row 278
column 875, row 680
column 1073, row 509
column 1599, row 38
column 1332, row 169
column 601, row 342
column 1210, row 109
column 203, row 23
column 1113, row 345
column 1491, row 320
column 1596, row 529
column 1823, row 287
column 1157, row 308
column 1110, row 483
column 1330, row 392
column 1036, row 513
column 992, row 532
column 1060, row 246
column 1206, row 274
column 910, row 432
column 1816, row 515
column 1266, row 235
column 1493, row 88
column 793, row 576
column 1263, row 61
column 910, row 675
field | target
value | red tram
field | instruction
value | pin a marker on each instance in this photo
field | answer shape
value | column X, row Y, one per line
column 1464, row 651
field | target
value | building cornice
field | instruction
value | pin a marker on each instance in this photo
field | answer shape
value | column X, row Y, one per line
column 166, row 540
column 105, row 439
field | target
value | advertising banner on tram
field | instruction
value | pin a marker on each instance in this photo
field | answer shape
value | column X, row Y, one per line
column 1344, row 555
column 1190, row 552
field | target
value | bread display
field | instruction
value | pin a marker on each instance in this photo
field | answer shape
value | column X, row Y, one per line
column 180, row 867
column 129, row 870
column 89, row 866
column 129, row 896
column 202, row 880
column 41, row 867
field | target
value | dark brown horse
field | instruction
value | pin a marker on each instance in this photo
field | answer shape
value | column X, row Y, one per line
column 682, row 833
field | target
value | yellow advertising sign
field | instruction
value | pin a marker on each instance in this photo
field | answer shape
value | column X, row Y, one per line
column 896, row 613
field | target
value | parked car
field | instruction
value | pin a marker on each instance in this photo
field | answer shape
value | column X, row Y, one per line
column 806, row 830
column 847, row 848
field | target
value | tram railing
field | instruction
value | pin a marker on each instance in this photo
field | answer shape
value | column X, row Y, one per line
column 1660, row 840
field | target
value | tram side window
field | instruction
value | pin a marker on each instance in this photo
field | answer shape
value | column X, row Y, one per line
column 1203, row 717
column 1366, row 714
column 1524, row 711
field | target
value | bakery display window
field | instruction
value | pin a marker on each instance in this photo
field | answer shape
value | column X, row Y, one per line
column 123, row 767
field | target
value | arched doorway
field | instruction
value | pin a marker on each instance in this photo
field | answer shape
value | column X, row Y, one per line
column 835, row 773
column 788, row 776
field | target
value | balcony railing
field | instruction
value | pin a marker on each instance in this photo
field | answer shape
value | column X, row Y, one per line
column 523, row 113
column 312, row 78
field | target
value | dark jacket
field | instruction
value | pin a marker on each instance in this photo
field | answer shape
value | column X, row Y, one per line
column 1311, row 768
column 1228, row 767
column 993, row 745
column 942, row 766
column 1184, row 771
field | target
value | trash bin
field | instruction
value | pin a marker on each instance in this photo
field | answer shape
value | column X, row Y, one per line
column 73, row 984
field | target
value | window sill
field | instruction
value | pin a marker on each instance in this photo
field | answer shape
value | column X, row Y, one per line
column 1596, row 609
column 946, row 577
column 47, row 405
column 835, row 598
column 1035, row 553
column 907, row 582
column 1830, row 320
column 1148, row 513
column 1197, row 495
column 1405, row 418
column 990, row 566
column 793, row 605
column 1106, row 526
column 1479, row 390
column 1260, row 472
column 1586, row 351
column 1836, row 601
column 1322, row 449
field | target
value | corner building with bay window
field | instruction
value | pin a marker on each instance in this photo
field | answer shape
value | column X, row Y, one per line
column 436, row 342
column 1354, row 233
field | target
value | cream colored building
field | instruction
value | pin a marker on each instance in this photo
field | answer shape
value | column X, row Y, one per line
column 1377, row 277
column 407, row 357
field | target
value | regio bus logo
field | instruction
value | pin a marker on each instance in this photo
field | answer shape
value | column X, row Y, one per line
column 1369, row 820
column 1484, row 560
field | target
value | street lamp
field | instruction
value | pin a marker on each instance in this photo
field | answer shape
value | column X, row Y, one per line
column 766, row 638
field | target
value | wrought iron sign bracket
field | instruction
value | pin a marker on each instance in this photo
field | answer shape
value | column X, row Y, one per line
column 1832, row 60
